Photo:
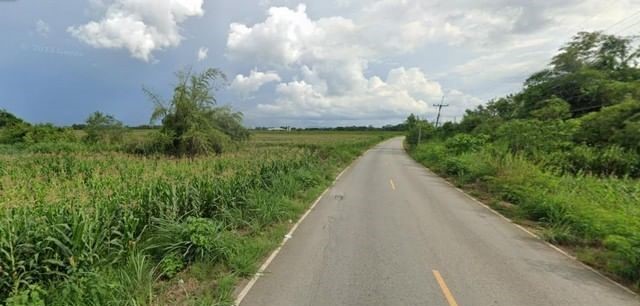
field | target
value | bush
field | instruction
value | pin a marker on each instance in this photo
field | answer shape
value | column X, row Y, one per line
column 191, row 119
column 193, row 239
column 617, row 122
column 536, row 138
column 612, row 160
column 40, row 133
column 552, row 109
column 154, row 143
column 102, row 128
column 422, row 130
column 462, row 143
column 14, row 133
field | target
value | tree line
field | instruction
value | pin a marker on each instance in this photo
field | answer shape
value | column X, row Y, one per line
column 188, row 124
column 581, row 114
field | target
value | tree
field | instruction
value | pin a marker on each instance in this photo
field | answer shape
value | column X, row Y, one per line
column 191, row 118
column 8, row 119
column 617, row 123
column 418, row 130
column 552, row 109
column 104, row 128
column 591, row 71
column 12, row 128
column 411, row 121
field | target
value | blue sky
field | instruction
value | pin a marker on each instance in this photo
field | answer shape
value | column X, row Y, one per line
column 303, row 63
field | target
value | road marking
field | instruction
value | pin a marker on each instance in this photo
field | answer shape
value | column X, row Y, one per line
column 445, row 289
column 393, row 186
column 535, row 236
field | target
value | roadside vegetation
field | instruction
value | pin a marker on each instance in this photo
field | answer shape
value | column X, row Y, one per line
column 564, row 152
column 174, row 215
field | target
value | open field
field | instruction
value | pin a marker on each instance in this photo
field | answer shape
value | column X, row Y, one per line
column 111, row 228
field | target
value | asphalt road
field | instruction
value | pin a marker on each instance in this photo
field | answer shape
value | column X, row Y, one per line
column 389, row 232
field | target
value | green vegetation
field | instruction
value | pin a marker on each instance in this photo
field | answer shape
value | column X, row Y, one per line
column 109, row 215
column 191, row 124
column 113, row 228
column 564, row 152
column 102, row 128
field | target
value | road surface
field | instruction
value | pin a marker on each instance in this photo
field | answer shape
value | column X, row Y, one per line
column 389, row 232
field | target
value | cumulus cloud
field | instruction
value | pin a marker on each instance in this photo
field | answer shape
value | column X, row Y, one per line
column 203, row 53
column 140, row 26
column 402, row 92
column 328, row 58
column 245, row 85
column 42, row 28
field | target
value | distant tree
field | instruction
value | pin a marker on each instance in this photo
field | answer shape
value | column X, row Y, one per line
column 78, row 126
column 411, row 121
column 418, row 130
column 103, row 128
column 191, row 118
column 48, row 133
column 8, row 119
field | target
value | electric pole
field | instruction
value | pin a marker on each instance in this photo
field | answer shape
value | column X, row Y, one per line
column 440, row 106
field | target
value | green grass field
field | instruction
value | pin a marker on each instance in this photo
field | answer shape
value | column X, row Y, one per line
column 110, row 228
column 597, row 218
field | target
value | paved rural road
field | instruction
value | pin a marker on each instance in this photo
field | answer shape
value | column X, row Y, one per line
column 378, row 236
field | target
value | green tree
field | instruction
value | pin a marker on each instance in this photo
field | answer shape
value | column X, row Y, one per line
column 12, row 128
column 411, row 121
column 418, row 130
column 48, row 133
column 552, row 109
column 589, row 72
column 103, row 128
column 191, row 118
column 8, row 119
column 617, row 123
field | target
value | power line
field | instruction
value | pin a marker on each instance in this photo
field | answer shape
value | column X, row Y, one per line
column 621, row 21
column 631, row 26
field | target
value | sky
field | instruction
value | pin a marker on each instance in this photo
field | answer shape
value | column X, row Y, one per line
column 311, row 63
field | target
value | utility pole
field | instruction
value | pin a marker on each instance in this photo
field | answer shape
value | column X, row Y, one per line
column 419, row 133
column 440, row 106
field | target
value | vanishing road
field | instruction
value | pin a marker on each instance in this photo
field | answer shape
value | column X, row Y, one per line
column 389, row 232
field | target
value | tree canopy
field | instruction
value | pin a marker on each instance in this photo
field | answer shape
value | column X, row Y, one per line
column 192, row 121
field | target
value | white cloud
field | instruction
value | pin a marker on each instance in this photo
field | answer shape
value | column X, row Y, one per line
column 140, row 26
column 404, row 91
column 203, row 53
column 245, row 85
column 42, row 28
column 328, row 58
column 289, row 37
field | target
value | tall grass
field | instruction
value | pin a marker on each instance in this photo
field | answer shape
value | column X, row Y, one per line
column 599, row 217
column 103, row 228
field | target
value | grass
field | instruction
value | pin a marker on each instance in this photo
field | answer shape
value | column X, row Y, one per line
column 597, row 218
column 108, row 228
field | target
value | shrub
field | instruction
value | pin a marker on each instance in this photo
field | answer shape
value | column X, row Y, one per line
column 597, row 128
column 191, row 119
column 462, row 143
column 534, row 137
column 421, row 130
column 102, row 128
column 552, row 109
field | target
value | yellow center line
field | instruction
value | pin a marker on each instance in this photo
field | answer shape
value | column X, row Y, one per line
column 393, row 186
column 445, row 289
